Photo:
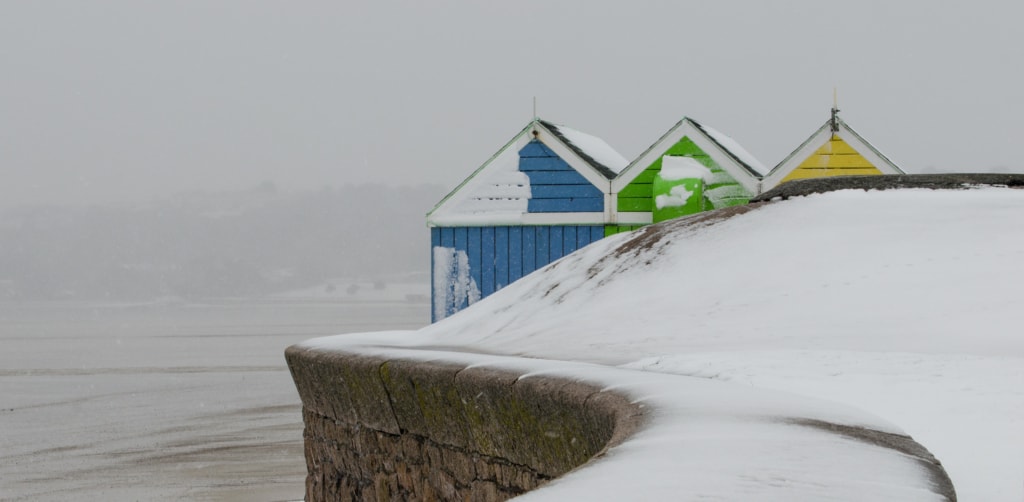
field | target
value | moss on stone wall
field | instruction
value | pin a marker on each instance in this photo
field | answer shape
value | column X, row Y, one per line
column 403, row 429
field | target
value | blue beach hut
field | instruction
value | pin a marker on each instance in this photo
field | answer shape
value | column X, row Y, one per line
column 543, row 195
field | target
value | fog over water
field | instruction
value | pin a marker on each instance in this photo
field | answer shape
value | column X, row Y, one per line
column 186, row 188
column 162, row 401
column 253, row 242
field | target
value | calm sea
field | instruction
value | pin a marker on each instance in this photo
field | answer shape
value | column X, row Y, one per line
column 164, row 401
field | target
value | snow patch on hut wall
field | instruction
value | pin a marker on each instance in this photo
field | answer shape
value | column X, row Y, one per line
column 497, row 195
column 454, row 287
column 678, row 196
column 677, row 168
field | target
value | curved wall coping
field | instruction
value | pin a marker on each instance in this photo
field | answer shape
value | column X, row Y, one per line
column 669, row 434
column 531, row 429
column 948, row 181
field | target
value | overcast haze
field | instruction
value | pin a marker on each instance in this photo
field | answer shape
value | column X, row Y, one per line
column 125, row 101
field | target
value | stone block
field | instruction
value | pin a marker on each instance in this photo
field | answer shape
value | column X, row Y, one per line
column 345, row 387
column 425, row 400
column 459, row 464
column 442, row 483
column 485, row 491
column 493, row 421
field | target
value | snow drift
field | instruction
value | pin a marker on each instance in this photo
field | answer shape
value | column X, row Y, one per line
column 901, row 304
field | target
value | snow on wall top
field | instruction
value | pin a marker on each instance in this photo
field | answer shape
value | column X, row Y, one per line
column 592, row 149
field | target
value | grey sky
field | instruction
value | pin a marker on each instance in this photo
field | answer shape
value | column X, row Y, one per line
column 115, row 101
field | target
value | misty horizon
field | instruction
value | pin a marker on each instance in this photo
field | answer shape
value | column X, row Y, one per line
column 246, row 243
column 118, row 117
column 114, row 101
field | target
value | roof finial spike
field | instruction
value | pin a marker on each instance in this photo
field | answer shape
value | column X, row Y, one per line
column 535, row 108
column 834, row 123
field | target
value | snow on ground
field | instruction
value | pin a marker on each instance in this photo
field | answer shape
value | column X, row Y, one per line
column 902, row 304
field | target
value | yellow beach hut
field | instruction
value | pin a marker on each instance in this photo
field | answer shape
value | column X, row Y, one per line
column 834, row 149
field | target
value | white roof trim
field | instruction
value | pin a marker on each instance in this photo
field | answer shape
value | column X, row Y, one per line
column 596, row 148
column 468, row 183
column 726, row 162
column 563, row 219
column 867, row 150
column 648, row 156
column 794, row 159
column 635, row 218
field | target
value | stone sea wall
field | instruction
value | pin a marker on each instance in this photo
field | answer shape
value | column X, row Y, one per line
column 393, row 429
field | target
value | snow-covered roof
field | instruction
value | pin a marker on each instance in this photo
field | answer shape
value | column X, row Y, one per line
column 733, row 148
column 592, row 149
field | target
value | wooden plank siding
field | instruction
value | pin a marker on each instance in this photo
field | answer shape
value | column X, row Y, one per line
column 541, row 253
column 547, row 178
column 473, row 250
column 501, row 259
column 555, row 187
column 835, row 158
column 500, row 255
column 515, row 254
column 555, row 244
column 527, row 251
column 487, row 260
column 610, row 230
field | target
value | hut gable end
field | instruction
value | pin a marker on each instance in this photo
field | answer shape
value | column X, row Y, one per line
column 547, row 174
column 835, row 149
column 733, row 174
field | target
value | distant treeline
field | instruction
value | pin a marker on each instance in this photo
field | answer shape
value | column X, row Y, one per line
column 253, row 242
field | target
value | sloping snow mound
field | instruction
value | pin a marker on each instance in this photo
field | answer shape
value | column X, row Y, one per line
column 902, row 303
column 900, row 270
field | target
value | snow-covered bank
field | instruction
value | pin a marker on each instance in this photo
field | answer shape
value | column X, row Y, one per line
column 899, row 303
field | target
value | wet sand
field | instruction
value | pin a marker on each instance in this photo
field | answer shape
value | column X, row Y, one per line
column 162, row 401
